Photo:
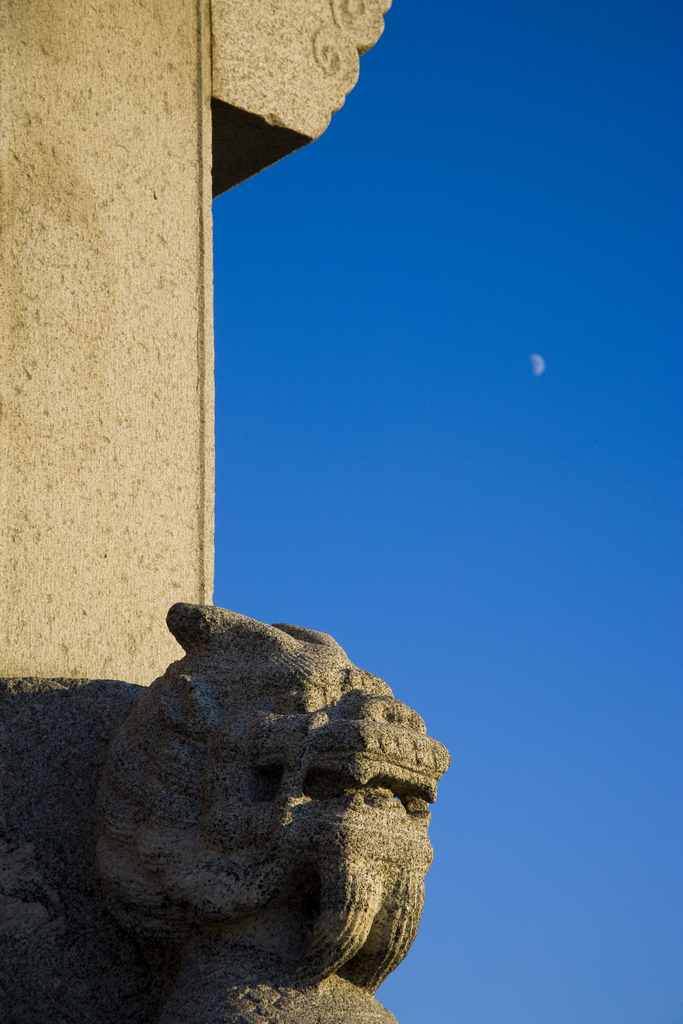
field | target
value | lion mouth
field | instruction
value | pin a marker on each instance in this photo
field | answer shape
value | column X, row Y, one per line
column 381, row 791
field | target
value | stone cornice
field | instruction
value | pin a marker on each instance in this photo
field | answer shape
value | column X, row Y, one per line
column 281, row 68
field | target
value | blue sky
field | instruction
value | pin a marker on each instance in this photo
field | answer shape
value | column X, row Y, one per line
column 503, row 549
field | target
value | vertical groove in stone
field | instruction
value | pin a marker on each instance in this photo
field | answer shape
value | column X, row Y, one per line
column 4, row 310
column 205, row 306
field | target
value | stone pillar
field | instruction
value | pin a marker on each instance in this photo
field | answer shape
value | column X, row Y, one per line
column 107, row 384
column 109, row 155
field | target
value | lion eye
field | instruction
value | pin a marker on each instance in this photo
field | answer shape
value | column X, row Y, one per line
column 324, row 785
column 265, row 783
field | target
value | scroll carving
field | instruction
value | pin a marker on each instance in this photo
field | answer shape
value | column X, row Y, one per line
column 335, row 54
column 361, row 19
column 354, row 27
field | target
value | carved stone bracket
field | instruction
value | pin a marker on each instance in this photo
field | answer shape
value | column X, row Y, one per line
column 281, row 68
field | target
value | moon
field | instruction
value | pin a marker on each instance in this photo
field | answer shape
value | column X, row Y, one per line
column 537, row 364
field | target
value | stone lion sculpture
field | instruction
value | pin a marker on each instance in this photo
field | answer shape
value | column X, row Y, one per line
column 259, row 832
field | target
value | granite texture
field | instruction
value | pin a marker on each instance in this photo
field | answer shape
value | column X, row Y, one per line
column 244, row 840
column 63, row 958
column 106, row 374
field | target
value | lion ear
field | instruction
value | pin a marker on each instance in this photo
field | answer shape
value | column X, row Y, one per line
column 197, row 627
column 190, row 625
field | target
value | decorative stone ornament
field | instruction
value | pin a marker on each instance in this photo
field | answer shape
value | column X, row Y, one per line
column 244, row 840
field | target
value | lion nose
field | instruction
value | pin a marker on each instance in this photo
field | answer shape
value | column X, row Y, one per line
column 379, row 739
column 366, row 707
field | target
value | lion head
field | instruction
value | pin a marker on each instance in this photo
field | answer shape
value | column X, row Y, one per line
column 267, row 790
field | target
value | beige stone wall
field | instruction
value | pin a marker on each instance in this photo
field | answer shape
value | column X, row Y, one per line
column 106, row 387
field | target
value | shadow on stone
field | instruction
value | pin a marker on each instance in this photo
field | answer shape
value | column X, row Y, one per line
column 244, row 144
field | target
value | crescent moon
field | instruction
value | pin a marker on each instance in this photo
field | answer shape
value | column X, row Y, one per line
column 537, row 364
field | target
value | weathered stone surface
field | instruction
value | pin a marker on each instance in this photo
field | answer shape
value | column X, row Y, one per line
column 63, row 958
column 260, row 835
column 106, row 379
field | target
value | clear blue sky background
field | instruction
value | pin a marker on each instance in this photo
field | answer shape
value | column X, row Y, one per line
column 503, row 549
